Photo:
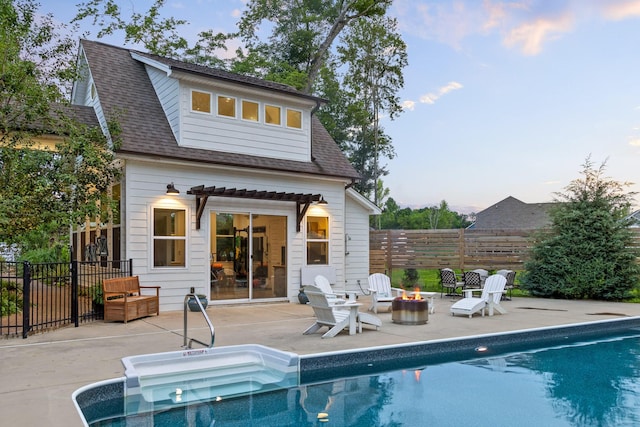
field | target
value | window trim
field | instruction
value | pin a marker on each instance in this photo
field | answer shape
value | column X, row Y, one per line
column 153, row 237
column 242, row 102
column 280, row 108
column 326, row 239
column 286, row 115
column 191, row 101
column 235, row 106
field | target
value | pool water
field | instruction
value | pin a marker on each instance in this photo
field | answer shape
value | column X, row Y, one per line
column 591, row 383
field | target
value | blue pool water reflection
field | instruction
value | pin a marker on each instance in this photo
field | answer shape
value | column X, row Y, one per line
column 583, row 384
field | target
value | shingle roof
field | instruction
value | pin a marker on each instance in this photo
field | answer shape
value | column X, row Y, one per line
column 219, row 74
column 512, row 213
column 50, row 124
column 126, row 93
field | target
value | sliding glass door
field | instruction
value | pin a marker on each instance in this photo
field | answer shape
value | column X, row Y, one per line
column 248, row 256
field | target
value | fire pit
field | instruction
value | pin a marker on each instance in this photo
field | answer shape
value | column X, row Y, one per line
column 410, row 310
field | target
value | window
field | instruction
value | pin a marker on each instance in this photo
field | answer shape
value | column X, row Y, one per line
column 200, row 101
column 250, row 110
column 317, row 240
column 272, row 115
column 169, row 237
column 226, row 106
column 294, row 119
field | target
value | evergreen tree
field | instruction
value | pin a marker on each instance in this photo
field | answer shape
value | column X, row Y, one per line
column 586, row 253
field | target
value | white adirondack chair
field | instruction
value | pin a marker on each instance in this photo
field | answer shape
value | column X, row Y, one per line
column 335, row 316
column 381, row 291
column 323, row 284
column 490, row 298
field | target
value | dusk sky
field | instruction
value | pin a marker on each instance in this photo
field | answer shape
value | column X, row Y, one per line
column 501, row 98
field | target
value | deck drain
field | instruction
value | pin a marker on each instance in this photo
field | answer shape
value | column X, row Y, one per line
column 607, row 313
column 541, row 308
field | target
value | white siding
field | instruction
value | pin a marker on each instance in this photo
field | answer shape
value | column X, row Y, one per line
column 168, row 91
column 357, row 251
column 145, row 188
column 212, row 132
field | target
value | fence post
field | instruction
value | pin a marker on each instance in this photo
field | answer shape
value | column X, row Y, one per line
column 74, row 294
column 26, row 299
column 461, row 247
column 389, row 256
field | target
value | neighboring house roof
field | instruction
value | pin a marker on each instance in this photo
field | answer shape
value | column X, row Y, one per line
column 512, row 213
column 634, row 217
column 124, row 87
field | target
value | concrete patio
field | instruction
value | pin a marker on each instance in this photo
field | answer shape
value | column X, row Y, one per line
column 40, row 373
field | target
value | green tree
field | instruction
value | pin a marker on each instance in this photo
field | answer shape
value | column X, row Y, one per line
column 434, row 217
column 587, row 251
column 44, row 190
column 374, row 55
column 304, row 31
column 157, row 34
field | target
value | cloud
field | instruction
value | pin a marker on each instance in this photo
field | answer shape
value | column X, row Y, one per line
column 432, row 97
column 634, row 142
column 618, row 11
column 408, row 105
column 531, row 36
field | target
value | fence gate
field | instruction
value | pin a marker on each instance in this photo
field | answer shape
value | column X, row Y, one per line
column 42, row 296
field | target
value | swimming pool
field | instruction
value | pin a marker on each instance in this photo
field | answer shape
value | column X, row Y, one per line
column 575, row 375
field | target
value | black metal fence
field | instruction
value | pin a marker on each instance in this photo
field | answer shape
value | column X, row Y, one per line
column 38, row 297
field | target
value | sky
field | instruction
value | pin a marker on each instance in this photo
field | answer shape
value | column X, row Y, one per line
column 501, row 98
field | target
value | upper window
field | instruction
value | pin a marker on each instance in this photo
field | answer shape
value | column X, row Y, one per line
column 294, row 119
column 169, row 237
column 272, row 115
column 317, row 240
column 226, row 106
column 250, row 110
column 200, row 101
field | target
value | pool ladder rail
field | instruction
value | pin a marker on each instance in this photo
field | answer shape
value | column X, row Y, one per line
column 189, row 341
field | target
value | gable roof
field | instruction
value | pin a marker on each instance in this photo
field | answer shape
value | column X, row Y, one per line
column 126, row 94
column 512, row 213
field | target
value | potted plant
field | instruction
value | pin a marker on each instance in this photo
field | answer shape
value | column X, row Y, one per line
column 193, row 305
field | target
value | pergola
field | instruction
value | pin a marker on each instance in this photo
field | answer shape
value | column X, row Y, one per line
column 301, row 200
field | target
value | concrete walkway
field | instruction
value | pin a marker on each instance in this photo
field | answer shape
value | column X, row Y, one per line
column 40, row 373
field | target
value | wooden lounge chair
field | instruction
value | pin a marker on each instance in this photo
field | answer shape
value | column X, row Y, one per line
column 490, row 298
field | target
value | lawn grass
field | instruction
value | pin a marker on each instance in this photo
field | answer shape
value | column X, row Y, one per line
column 429, row 281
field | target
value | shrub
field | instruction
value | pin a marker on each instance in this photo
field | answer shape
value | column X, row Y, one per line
column 410, row 277
column 10, row 299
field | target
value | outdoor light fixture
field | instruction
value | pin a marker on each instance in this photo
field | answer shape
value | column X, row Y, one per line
column 322, row 201
column 171, row 189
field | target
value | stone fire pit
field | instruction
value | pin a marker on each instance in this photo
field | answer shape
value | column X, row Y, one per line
column 410, row 311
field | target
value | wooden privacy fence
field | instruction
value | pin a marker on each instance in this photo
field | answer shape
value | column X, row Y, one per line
column 457, row 249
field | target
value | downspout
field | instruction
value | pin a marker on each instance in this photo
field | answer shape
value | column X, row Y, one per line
column 313, row 111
